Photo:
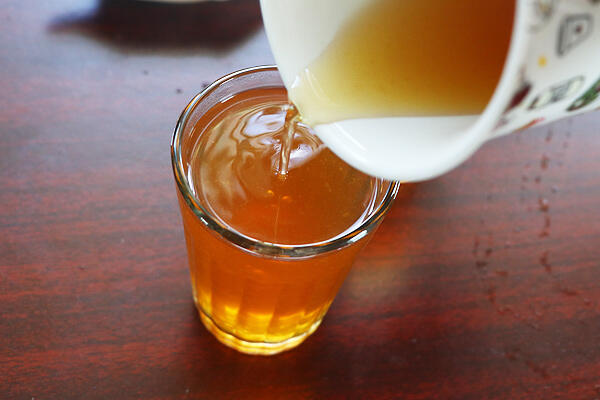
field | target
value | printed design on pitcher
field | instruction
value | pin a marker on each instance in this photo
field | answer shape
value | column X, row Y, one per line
column 586, row 98
column 530, row 124
column 573, row 30
column 543, row 10
column 557, row 93
column 518, row 97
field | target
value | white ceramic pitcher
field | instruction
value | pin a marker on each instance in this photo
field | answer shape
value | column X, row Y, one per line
column 552, row 70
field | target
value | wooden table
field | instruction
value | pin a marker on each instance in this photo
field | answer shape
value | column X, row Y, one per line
column 484, row 283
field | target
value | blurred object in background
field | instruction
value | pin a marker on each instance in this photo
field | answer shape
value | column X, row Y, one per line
column 181, row 1
column 160, row 25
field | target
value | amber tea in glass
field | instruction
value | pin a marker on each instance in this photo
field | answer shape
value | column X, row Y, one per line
column 273, row 220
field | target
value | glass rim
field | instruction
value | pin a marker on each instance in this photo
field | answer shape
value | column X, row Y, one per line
column 244, row 241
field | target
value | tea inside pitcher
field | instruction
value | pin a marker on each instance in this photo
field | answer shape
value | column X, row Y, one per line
column 408, row 58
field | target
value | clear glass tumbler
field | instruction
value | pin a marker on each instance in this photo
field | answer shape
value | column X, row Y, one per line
column 254, row 296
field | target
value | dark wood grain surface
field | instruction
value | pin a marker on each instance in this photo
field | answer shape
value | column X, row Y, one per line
column 484, row 283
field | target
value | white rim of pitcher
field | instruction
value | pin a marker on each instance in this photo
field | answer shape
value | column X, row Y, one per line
column 464, row 145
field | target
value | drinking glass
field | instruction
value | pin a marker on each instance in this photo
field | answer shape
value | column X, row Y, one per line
column 254, row 296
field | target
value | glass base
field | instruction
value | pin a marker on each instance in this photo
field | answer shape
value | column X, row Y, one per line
column 255, row 348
